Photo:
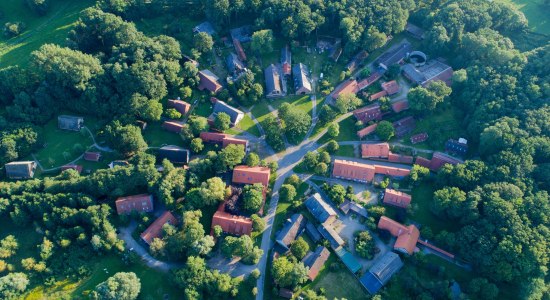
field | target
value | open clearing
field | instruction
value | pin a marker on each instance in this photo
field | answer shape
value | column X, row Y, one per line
column 536, row 13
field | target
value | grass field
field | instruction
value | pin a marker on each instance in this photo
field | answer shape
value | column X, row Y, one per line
column 346, row 150
column 422, row 196
column 51, row 28
column 347, row 131
column 339, row 284
column 155, row 136
column 536, row 13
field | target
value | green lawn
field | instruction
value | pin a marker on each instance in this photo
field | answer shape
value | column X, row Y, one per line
column 421, row 199
column 346, row 150
column 347, row 131
column 246, row 124
column 51, row 28
column 27, row 238
column 339, row 284
column 536, row 12
column 155, row 136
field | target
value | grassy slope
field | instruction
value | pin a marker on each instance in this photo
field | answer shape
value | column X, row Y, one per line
column 535, row 12
column 51, row 28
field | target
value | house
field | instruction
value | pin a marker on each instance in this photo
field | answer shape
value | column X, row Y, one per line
column 155, row 229
column 223, row 139
column 394, row 55
column 423, row 162
column 349, row 86
column 354, row 171
column 138, row 203
column 363, row 84
column 357, row 61
column 379, row 150
column 273, row 87
column 381, row 272
column 419, row 138
column 312, row 232
column 92, row 156
column 70, row 122
column 368, row 113
column 390, row 87
column 399, row 106
column 209, row 81
column 378, row 95
column 354, row 207
column 348, row 259
column 366, row 131
column 321, row 210
column 432, row 71
column 75, row 167
column 397, row 198
column 404, row 126
column 232, row 224
column 286, row 60
column 234, row 114
column 118, row 163
column 234, row 141
column 391, row 171
column 173, row 126
column 174, row 154
column 239, row 49
column 401, row 159
column 315, row 261
column 459, row 146
column 415, row 31
column 440, row 159
column 407, row 236
column 302, row 82
column 20, row 169
column 290, row 231
column 331, row 236
column 181, row 106
column 234, row 64
column 205, row 27
column 250, row 175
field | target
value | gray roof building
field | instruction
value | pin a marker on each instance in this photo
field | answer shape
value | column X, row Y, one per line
column 235, row 114
column 315, row 261
column 20, row 169
column 272, row 82
column 302, row 82
column 234, row 64
column 312, row 232
column 174, row 154
column 205, row 27
column 354, row 207
column 73, row 123
column 292, row 228
column 394, row 55
column 332, row 236
column 381, row 272
column 321, row 210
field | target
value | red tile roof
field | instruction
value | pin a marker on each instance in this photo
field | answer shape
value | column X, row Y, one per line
column 400, row 106
column 316, row 263
column 173, row 126
column 368, row 113
column 407, row 237
column 346, row 87
column 398, row 158
column 353, row 170
column 181, row 106
column 366, row 131
column 440, row 159
column 77, row 168
column 92, row 156
column 421, row 161
column 250, row 175
column 155, row 230
column 369, row 80
column 237, row 225
column 377, row 96
column 419, row 138
column 234, row 141
column 212, row 137
column 209, row 81
column 380, row 150
column 139, row 203
column 239, row 49
column 391, row 87
column 397, row 198
column 391, row 171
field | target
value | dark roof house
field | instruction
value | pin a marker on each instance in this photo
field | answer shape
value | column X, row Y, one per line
column 138, row 203
column 331, row 236
column 70, row 122
column 393, row 55
column 291, row 229
column 315, row 261
column 174, row 154
column 312, row 232
column 20, row 169
column 368, row 113
column 302, row 82
column 235, row 114
column 459, row 146
column 181, row 106
column 348, row 259
column 209, row 81
column 272, row 82
column 432, row 71
column 234, row 64
column 404, row 126
column 321, row 210
column 415, row 31
column 381, row 272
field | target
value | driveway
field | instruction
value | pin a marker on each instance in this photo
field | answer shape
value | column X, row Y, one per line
column 232, row 267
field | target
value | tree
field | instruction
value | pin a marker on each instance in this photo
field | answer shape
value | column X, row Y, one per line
column 337, row 193
column 203, row 42
column 418, row 173
column 321, row 168
column 38, row 6
column 288, row 274
column 253, row 197
column 252, row 159
column 13, row 285
column 212, row 191
column 424, row 99
column 8, row 246
column 122, row 285
column 299, row 248
column 243, row 247
column 311, row 159
column 333, row 130
column 231, row 156
column 126, row 139
column 365, row 245
column 374, row 39
column 347, row 102
column 449, row 202
column 332, row 146
column 293, row 180
column 258, row 223
column 437, row 40
column 262, row 41
column 222, row 121
column 296, row 124
column 287, row 193
column 327, row 114
column 385, row 130
column 198, row 124
column 196, row 145
column 172, row 113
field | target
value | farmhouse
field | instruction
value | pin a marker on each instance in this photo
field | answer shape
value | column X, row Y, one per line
column 173, row 126
column 174, row 154
column 381, row 272
column 290, row 231
column 331, row 236
column 155, row 229
column 390, row 87
column 137, row 203
column 20, row 169
column 368, row 113
column 234, row 64
column 220, row 106
column 231, row 224
column 347, row 87
column 302, row 82
column 355, row 171
column 315, row 261
column 394, row 55
column 209, row 81
column 181, row 106
column 223, row 139
column 320, row 209
column 250, row 175
column 397, row 198
column 459, row 146
column 366, row 131
column 286, row 60
column 70, row 122
column 407, row 237
column 432, row 71
column 380, row 150
column 273, row 87
column 92, row 156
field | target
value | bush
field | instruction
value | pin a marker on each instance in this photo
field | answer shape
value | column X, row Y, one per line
column 172, row 113
column 38, row 6
column 365, row 245
column 14, row 29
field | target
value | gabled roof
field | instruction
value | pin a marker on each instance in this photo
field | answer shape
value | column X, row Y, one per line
column 398, row 158
column 70, row 122
column 312, row 232
column 381, row 272
column 321, row 210
column 440, row 159
column 239, row 49
column 404, row 126
column 286, row 60
column 155, row 229
column 397, row 198
column 414, row 30
column 236, row 225
column 400, row 106
column 353, row 170
column 332, row 236
column 221, row 106
column 368, row 113
column 20, row 169
column 272, row 81
column 315, row 261
column 421, row 161
column 348, row 206
column 173, row 126
column 212, row 137
column 419, row 138
column 138, row 203
column 75, row 167
column 366, row 131
column 234, row 64
column 370, row 80
column 393, row 55
column 293, row 226
column 181, row 106
column 391, row 171
column 209, row 81
column 347, row 258
column 407, row 237
column 174, row 154
column 250, row 175
column 301, row 77
column 92, row 156
column 391, row 87
column 346, row 87
column 379, row 150
column 234, row 141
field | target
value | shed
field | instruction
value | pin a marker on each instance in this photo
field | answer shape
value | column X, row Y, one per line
column 348, row 259
column 20, row 169
column 381, row 272
column 174, row 154
column 92, row 156
column 72, row 123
